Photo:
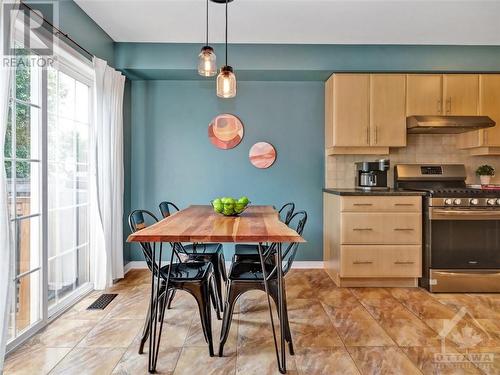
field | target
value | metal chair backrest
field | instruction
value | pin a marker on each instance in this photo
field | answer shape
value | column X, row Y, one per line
column 300, row 217
column 289, row 207
column 140, row 219
column 166, row 208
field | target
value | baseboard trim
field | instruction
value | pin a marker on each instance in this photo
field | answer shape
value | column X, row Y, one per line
column 299, row 264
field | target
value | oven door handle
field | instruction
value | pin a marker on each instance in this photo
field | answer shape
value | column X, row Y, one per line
column 468, row 214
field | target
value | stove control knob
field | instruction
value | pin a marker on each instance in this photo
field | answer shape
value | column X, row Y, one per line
column 448, row 201
column 491, row 201
column 457, row 201
column 474, row 202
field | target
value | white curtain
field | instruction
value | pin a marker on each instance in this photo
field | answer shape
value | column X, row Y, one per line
column 5, row 238
column 107, row 216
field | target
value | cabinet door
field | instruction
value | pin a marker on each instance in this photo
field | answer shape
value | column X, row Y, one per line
column 387, row 110
column 424, row 93
column 351, row 103
column 461, row 94
column 489, row 98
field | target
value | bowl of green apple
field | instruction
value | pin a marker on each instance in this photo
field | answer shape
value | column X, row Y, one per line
column 230, row 206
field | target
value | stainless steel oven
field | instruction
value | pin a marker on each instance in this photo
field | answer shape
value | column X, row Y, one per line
column 465, row 243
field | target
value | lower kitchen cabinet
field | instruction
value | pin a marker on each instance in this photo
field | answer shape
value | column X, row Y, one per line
column 373, row 240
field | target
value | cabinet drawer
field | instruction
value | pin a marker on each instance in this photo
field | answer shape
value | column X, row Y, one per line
column 380, row 261
column 390, row 203
column 381, row 228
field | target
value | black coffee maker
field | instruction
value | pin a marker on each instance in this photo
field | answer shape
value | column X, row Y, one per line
column 372, row 175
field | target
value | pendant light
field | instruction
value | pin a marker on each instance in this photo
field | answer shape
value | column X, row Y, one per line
column 207, row 65
column 226, row 80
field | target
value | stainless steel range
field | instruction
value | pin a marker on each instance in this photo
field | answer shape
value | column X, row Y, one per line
column 461, row 228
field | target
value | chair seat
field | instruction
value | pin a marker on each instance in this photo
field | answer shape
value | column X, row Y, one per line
column 190, row 271
column 203, row 248
column 248, row 271
column 247, row 253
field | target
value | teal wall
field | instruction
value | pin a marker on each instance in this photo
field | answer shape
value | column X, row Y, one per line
column 173, row 159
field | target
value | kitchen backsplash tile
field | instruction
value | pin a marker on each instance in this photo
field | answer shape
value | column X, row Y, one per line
column 421, row 148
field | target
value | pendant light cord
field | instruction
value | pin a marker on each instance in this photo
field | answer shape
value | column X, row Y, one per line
column 226, row 32
column 207, row 24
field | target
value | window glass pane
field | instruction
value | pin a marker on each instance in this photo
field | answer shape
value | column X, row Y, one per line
column 8, row 135
column 27, row 188
column 63, row 277
column 23, row 75
column 28, row 244
column 27, row 130
column 10, row 189
column 66, row 88
column 62, row 230
column 82, row 103
column 26, row 303
column 83, row 225
column 51, row 91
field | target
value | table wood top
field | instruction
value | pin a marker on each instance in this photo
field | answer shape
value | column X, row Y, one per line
column 202, row 224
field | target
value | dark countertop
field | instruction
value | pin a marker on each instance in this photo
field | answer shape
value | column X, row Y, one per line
column 343, row 191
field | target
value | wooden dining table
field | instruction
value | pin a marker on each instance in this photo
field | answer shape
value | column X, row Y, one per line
column 200, row 224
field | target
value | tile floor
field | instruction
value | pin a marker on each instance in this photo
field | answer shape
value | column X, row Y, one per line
column 335, row 331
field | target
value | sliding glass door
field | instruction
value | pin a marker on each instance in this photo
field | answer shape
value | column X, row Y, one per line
column 47, row 153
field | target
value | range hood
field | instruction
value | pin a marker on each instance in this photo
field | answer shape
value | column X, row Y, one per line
column 446, row 124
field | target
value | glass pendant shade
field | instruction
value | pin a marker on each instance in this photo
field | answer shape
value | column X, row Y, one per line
column 207, row 63
column 226, row 83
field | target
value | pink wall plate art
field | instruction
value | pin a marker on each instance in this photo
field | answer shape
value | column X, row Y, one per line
column 225, row 131
column 262, row 155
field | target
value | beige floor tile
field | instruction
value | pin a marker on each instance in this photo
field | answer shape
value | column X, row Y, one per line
column 195, row 360
column 325, row 361
column 432, row 360
column 112, row 333
column 80, row 312
column 341, row 297
column 386, row 309
column 342, row 313
column 34, row 359
column 261, row 360
column 410, row 332
column 474, row 306
column 134, row 363
column 382, row 360
column 486, row 359
column 196, row 337
column 466, row 334
column 429, row 309
column 89, row 361
column 306, row 335
column 370, row 293
column 362, row 332
column 64, row 333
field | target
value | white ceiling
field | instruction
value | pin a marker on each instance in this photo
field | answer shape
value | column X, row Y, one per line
column 301, row 22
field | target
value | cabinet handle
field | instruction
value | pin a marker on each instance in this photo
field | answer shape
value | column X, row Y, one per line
column 376, row 135
column 397, row 262
column 368, row 135
column 440, row 107
column 361, row 262
column 403, row 229
column 404, row 204
column 448, row 103
column 362, row 229
column 362, row 204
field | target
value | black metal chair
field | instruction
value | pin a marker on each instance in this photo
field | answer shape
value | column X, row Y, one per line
column 202, row 252
column 247, row 275
column 196, row 278
column 249, row 252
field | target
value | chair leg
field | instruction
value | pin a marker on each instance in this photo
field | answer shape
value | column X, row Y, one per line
column 145, row 330
column 171, row 298
column 231, row 297
column 214, row 296
column 202, row 296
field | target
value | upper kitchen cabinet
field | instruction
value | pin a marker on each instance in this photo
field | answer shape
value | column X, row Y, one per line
column 347, row 113
column 486, row 141
column 364, row 113
column 424, row 94
column 387, row 110
column 460, row 94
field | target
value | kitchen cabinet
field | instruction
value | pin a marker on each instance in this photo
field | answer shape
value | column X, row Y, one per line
column 486, row 141
column 373, row 240
column 387, row 110
column 424, row 94
column 460, row 94
column 364, row 113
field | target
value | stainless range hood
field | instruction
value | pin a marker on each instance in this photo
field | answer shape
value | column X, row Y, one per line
column 446, row 124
